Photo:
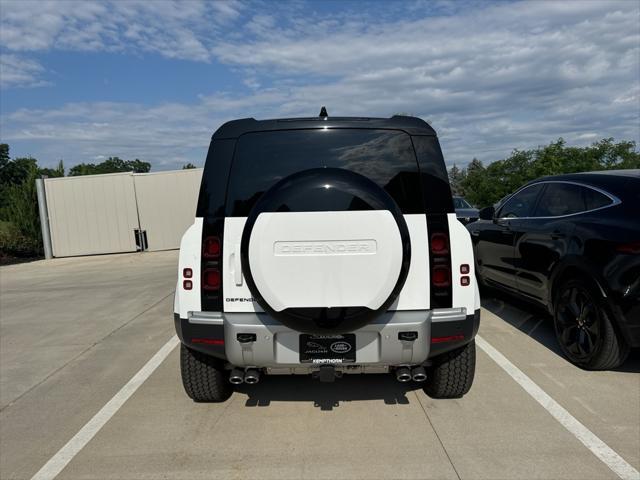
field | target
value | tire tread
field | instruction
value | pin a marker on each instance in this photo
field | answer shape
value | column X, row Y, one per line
column 614, row 351
column 452, row 374
column 203, row 377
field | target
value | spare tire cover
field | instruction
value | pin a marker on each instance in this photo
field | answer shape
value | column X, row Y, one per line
column 325, row 250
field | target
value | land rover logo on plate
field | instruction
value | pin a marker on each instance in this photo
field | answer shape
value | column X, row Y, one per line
column 340, row 347
column 328, row 348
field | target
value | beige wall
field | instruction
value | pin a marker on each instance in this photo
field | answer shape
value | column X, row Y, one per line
column 167, row 205
column 96, row 214
column 91, row 214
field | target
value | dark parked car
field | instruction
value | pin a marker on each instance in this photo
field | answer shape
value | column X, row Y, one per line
column 464, row 211
column 572, row 244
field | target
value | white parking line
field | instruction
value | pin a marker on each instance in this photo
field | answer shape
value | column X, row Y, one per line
column 60, row 460
column 600, row 449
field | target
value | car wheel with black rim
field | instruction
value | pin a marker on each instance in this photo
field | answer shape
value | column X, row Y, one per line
column 584, row 327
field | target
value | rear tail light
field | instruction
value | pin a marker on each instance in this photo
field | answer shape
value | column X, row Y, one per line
column 187, row 284
column 465, row 281
column 211, row 268
column 211, row 247
column 441, row 270
column 464, row 269
column 187, row 273
column 633, row 247
column 211, row 279
column 441, row 276
column 439, row 244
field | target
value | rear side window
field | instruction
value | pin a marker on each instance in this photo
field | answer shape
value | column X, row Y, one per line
column 594, row 199
column 561, row 199
column 263, row 158
column 566, row 199
column 522, row 203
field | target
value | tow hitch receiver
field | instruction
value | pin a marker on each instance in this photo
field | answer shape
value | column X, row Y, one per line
column 327, row 374
column 407, row 336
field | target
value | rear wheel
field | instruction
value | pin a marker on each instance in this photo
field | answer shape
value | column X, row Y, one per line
column 203, row 377
column 584, row 327
column 451, row 375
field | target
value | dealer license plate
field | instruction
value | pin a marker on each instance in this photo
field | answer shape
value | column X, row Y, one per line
column 328, row 348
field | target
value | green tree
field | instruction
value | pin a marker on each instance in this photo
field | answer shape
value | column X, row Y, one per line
column 53, row 172
column 110, row 165
column 456, row 179
column 4, row 154
column 19, row 217
column 20, row 233
column 188, row 166
column 22, row 210
column 12, row 172
column 474, row 184
column 16, row 170
column 485, row 186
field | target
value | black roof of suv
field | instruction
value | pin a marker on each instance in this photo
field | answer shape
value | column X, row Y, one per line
column 410, row 125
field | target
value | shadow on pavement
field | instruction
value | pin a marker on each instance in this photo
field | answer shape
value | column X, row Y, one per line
column 327, row 396
column 538, row 324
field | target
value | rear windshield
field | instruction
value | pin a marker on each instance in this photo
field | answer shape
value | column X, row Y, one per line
column 263, row 158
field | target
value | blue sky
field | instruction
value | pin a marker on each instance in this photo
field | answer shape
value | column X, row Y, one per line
column 81, row 81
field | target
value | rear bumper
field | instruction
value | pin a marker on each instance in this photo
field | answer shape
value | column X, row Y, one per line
column 378, row 346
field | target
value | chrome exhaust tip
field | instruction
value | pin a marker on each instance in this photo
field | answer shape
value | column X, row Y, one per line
column 403, row 374
column 251, row 376
column 236, row 377
column 419, row 374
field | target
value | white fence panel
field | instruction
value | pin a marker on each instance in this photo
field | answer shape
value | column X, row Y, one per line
column 167, row 205
column 92, row 214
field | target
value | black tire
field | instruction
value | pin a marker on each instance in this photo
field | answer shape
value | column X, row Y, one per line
column 203, row 377
column 451, row 374
column 584, row 327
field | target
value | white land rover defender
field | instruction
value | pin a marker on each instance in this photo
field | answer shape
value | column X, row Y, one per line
column 326, row 246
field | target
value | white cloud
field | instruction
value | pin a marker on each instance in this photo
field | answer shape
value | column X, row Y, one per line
column 83, row 131
column 16, row 70
column 489, row 78
column 173, row 29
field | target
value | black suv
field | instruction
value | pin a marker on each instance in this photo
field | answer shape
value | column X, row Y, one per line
column 572, row 244
column 326, row 246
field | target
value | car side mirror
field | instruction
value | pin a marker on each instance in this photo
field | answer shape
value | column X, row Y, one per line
column 487, row 213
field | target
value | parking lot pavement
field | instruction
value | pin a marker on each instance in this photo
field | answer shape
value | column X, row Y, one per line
column 74, row 331
column 52, row 312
